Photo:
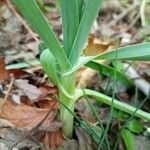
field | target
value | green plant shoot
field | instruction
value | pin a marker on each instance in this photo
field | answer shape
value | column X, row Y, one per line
column 61, row 62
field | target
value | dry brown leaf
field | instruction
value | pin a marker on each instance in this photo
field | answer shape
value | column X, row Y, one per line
column 84, row 76
column 3, row 72
column 84, row 112
column 69, row 145
column 5, row 124
column 31, row 91
column 93, row 47
column 26, row 117
column 10, row 136
column 2, row 103
column 53, row 139
column 45, row 91
column 84, row 139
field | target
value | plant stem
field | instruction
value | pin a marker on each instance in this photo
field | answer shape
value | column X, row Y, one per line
column 116, row 104
column 68, row 83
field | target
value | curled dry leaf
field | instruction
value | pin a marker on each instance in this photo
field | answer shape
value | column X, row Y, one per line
column 31, row 91
column 93, row 48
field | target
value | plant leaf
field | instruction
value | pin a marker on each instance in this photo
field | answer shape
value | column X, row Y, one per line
column 35, row 17
column 48, row 62
column 89, row 14
column 109, row 71
column 132, row 52
column 70, row 22
column 135, row 126
column 81, row 62
column 128, row 138
column 80, row 8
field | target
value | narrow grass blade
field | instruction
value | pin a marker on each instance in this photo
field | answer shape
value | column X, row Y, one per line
column 70, row 22
column 23, row 64
column 95, row 113
column 135, row 52
column 89, row 14
column 109, row 71
column 128, row 138
column 33, row 14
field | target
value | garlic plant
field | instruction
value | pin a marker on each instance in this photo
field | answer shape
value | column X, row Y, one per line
column 61, row 62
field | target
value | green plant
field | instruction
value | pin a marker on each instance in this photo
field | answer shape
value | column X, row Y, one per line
column 62, row 62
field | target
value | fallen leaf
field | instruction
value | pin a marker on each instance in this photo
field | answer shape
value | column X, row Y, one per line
column 84, row 139
column 31, row 91
column 5, row 123
column 142, row 143
column 84, row 76
column 26, row 117
column 45, row 91
column 9, row 136
column 52, row 127
column 69, row 145
column 84, row 111
column 2, row 103
column 3, row 72
column 53, row 139
column 94, row 47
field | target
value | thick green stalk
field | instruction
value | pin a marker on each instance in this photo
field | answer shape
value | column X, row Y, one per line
column 67, row 97
column 116, row 104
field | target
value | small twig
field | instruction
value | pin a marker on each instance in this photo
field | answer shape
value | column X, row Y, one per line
column 22, row 21
column 33, row 129
column 10, row 87
column 3, row 101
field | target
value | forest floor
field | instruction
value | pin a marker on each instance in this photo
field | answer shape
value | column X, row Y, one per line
column 26, row 94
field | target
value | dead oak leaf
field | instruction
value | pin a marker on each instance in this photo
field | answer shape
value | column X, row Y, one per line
column 26, row 117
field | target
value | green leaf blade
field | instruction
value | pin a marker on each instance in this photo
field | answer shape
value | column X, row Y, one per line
column 89, row 14
column 109, row 71
column 80, row 8
column 135, row 126
column 128, row 138
column 137, row 52
column 35, row 17
column 70, row 22
column 48, row 62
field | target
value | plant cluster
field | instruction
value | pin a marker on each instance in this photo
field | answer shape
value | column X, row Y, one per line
column 61, row 61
